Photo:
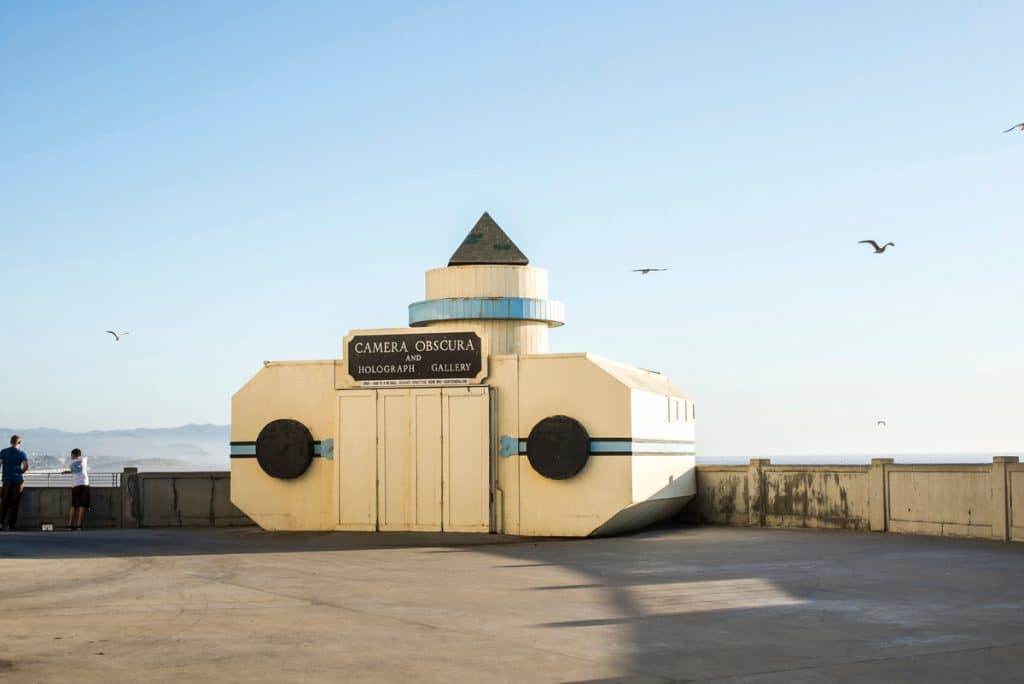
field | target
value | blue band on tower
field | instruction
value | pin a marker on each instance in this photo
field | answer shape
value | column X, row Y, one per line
column 487, row 308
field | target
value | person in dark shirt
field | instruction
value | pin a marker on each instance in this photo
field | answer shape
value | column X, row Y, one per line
column 14, row 463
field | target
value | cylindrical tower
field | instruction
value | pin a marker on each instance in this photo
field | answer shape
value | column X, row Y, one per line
column 488, row 282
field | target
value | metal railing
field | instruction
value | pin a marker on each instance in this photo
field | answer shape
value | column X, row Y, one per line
column 57, row 479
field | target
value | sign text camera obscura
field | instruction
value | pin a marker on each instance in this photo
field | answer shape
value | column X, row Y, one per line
column 415, row 359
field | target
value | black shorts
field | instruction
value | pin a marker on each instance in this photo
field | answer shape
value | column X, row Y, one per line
column 80, row 496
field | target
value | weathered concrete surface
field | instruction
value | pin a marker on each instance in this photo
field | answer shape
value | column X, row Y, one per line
column 50, row 505
column 817, row 496
column 188, row 499
column 158, row 499
column 956, row 500
column 722, row 496
column 698, row 604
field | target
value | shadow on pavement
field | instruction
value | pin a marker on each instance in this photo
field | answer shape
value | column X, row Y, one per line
column 701, row 603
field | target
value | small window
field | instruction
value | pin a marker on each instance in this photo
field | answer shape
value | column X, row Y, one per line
column 673, row 409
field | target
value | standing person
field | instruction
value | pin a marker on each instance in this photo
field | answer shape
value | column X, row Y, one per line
column 79, row 470
column 14, row 463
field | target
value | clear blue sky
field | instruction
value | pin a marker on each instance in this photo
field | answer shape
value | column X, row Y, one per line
column 239, row 181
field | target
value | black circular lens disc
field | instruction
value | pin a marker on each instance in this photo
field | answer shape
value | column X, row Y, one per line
column 558, row 447
column 284, row 448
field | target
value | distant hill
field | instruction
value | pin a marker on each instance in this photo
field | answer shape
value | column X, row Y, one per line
column 188, row 447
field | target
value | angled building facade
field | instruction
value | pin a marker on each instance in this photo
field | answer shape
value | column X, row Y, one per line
column 463, row 421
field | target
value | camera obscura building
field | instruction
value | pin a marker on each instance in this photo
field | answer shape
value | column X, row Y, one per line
column 462, row 421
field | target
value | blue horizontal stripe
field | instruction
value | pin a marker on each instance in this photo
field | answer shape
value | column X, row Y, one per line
column 618, row 447
column 615, row 446
column 243, row 449
column 598, row 447
column 487, row 308
column 663, row 447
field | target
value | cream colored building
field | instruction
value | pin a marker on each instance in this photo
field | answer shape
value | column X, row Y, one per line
column 463, row 422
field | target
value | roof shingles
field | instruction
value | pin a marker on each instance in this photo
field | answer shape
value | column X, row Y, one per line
column 487, row 243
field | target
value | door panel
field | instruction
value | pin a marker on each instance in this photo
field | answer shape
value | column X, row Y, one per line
column 356, row 455
column 466, row 439
column 426, row 445
column 394, row 461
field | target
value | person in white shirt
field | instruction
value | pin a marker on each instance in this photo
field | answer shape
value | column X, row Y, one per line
column 78, row 467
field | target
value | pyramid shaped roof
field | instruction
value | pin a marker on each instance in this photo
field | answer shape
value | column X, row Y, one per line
column 487, row 243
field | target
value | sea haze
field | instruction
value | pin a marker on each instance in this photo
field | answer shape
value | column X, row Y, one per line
column 188, row 447
column 206, row 447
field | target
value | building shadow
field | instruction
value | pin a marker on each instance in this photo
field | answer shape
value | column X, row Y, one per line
column 681, row 604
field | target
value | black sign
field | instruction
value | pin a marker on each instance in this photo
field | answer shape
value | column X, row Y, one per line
column 415, row 359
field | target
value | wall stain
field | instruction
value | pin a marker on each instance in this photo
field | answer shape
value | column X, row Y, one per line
column 810, row 499
column 176, row 511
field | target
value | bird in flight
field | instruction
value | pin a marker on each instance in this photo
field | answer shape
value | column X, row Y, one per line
column 117, row 336
column 881, row 423
column 645, row 271
column 1016, row 127
column 878, row 250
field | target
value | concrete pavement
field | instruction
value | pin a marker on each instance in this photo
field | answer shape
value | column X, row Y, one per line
column 694, row 604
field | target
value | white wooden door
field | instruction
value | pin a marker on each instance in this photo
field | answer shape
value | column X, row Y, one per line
column 355, row 453
column 425, row 443
column 414, row 459
column 394, row 461
column 409, row 460
column 466, row 440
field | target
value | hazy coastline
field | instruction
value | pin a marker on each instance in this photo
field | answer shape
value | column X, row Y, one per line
column 206, row 447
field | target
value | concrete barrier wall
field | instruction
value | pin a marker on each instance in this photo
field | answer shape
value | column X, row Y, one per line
column 976, row 500
column 50, row 505
column 174, row 499
column 199, row 499
column 722, row 495
column 983, row 500
column 816, row 496
column 953, row 500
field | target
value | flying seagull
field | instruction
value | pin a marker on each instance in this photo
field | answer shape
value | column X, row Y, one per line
column 878, row 250
column 881, row 423
column 645, row 271
column 117, row 336
column 1016, row 127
